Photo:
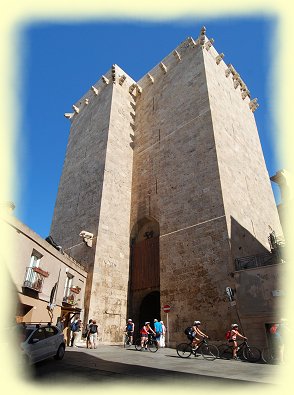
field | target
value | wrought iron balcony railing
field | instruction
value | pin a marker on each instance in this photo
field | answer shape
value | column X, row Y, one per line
column 34, row 279
column 249, row 262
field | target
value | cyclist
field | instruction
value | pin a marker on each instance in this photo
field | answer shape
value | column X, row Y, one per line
column 144, row 332
column 233, row 339
column 197, row 332
column 130, row 328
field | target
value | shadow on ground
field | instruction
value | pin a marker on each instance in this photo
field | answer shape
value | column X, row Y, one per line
column 79, row 368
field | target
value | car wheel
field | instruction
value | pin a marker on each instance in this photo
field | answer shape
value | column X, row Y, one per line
column 60, row 352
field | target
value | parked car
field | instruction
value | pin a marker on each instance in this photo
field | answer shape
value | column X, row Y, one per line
column 40, row 341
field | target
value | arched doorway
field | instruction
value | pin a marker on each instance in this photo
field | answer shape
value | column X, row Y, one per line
column 144, row 291
column 150, row 308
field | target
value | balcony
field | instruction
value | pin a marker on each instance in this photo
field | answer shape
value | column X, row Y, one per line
column 249, row 262
column 34, row 278
column 71, row 296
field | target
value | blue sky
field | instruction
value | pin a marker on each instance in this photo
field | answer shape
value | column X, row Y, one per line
column 62, row 61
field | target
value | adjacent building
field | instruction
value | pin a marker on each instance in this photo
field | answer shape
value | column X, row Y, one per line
column 45, row 283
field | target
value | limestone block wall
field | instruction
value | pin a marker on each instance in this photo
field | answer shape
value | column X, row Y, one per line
column 176, row 181
column 79, row 195
column 94, row 195
column 248, row 198
column 109, row 292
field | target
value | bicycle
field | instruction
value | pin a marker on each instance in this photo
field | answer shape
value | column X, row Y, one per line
column 150, row 344
column 127, row 341
column 270, row 355
column 244, row 352
column 208, row 351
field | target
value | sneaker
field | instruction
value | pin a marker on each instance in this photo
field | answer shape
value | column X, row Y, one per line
column 236, row 358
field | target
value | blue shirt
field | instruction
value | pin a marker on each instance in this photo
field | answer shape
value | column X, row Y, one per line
column 157, row 327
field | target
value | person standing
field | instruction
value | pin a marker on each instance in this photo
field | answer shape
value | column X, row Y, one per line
column 93, row 334
column 86, row 333
column 162, row 337
column 75, row 328
column 60, row 323
column 158, row 331
column 130, row 328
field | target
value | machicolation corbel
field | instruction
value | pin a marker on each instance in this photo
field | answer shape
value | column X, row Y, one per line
column 95, row 90
column 219, row 58
column 208, row 44
column 177, row 55
column 122, row 79
column 163, row 67
column 76, row 109
column 253, row 105
column 150, row 78
column 69, row 115
column 105, row 80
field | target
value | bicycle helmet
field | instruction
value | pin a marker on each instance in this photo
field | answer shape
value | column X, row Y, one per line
column 235, row 325
column 129, row 320
column 147, row 322
column 197, row 322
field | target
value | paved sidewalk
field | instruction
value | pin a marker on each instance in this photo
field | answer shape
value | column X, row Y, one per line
column 114, row 363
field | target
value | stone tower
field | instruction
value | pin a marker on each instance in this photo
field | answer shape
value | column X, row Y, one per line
column 168, row 174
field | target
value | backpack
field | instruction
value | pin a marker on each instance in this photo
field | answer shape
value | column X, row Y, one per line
column 93, row 328
column 228, row 335
column 188, row 331
column 74, row 326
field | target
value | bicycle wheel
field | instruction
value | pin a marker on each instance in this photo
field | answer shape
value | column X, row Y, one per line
column 209, row 352
column 152, row 346
column 251, row 354
column 127, row 342
column 138, row 345
column 225, row 351
column 184, row 350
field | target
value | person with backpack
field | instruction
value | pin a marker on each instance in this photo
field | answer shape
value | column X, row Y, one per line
column 86, row 334
column 197, row 332
column 231, row 336
column 93, row 334
column 75, row 329
column 192, row 332
column 130, row 328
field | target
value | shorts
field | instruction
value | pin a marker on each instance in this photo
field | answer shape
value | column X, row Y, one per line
column 129, row 333
column 144, row 335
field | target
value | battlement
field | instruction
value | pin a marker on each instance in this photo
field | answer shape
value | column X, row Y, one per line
column 115, row 75
column 206, row 45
